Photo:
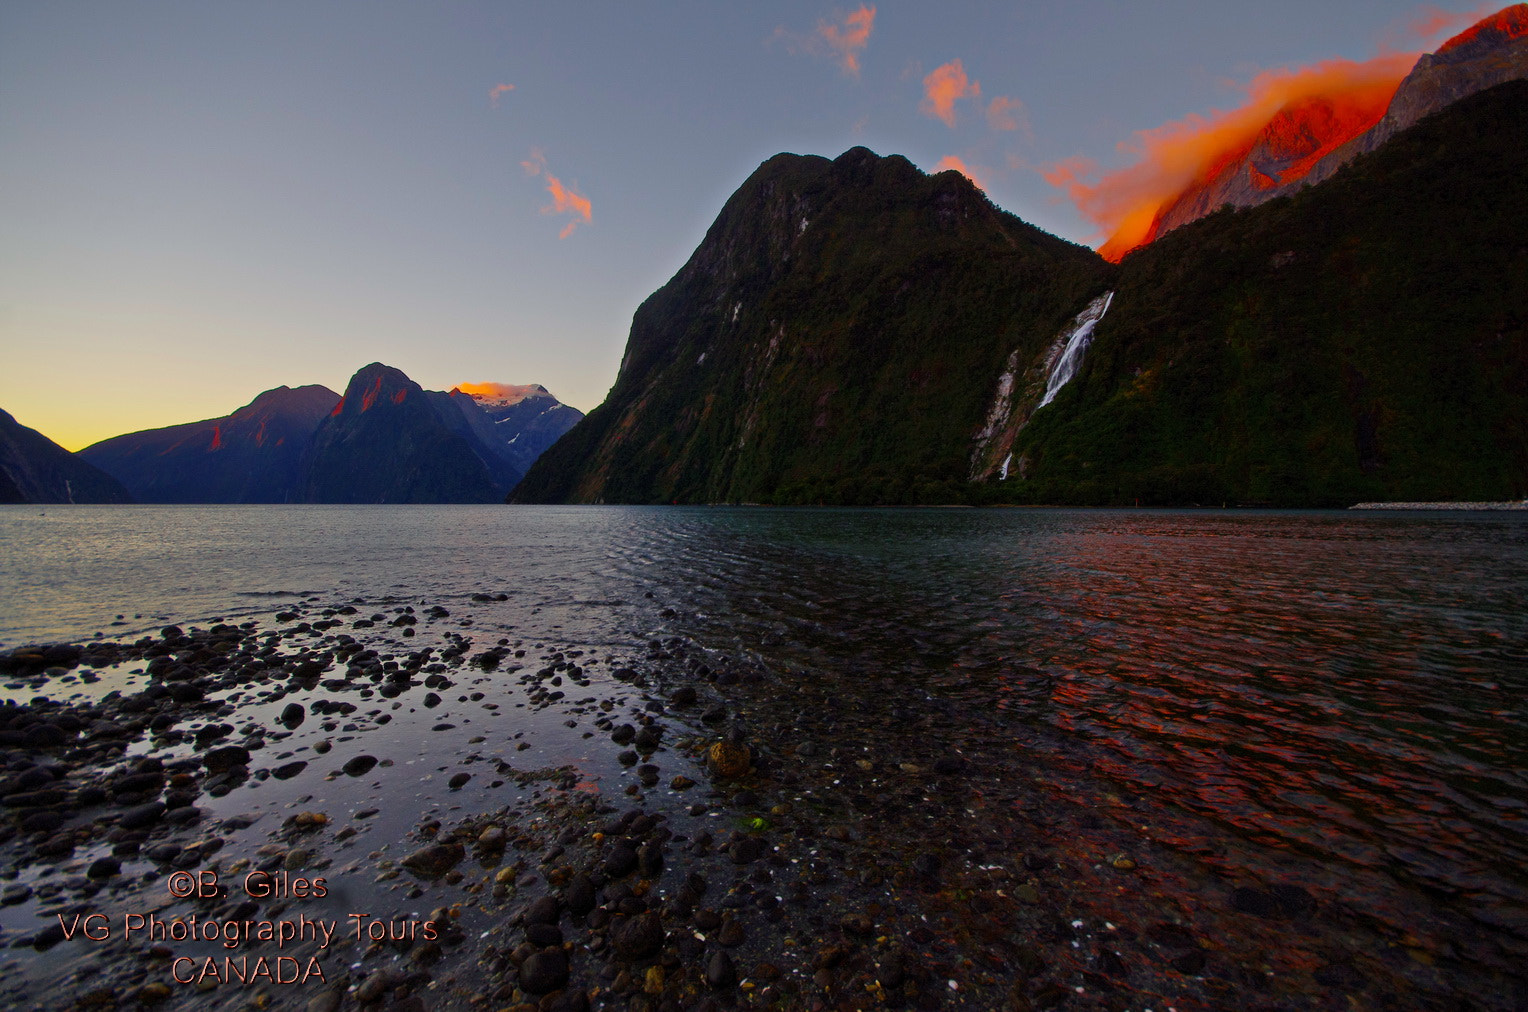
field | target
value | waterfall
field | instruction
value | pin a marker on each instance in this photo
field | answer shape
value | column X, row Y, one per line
column 1073, row 343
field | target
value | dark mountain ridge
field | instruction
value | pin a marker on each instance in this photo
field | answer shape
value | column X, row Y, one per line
column 33, row 468
column 390, row 441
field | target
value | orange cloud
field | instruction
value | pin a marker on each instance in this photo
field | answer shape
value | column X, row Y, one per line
column 1174, row 156
column 564, row 200
column 496, row 91
column 953, row 162
column 943, row 88
column 1071, row 170
column 848, row 39
column 1004, row 113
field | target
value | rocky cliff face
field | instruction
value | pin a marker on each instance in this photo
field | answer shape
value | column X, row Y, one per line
column 1308, row 141
column 835, row 337
column 33, row 468
column 252, row 455
column 1491, row 52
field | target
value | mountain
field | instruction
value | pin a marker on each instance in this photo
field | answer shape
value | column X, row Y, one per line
column 1363, row 339
column 823, row 343
column 390, row 441
column 1308, row 140
column 856, row 332
column 528, row 419
column 33, row 468
column 252, row 455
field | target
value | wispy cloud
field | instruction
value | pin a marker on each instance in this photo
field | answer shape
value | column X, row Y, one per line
column 1430, row 25
column 959, row 165
column 943, row 88
column 1006, row 113
column 848, row 38
column 564, row 199
column 498, row 90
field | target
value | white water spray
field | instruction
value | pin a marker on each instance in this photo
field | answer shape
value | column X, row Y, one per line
column 1072, row 343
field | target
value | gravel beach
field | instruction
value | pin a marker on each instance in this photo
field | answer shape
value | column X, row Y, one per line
column 337, row 807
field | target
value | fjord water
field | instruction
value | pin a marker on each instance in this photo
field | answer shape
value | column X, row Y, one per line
column 1333, row 699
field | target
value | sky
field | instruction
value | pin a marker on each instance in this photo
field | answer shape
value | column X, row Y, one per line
column 204, row 200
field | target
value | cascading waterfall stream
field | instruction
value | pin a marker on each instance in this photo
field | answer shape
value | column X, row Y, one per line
column 1076, row 339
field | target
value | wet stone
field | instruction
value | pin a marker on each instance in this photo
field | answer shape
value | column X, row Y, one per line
column 546, row 910
column 142, row 816
column 359, row 766
column 543, row 935
column 580, row 895
column 104, row 867
column 435, row 860
column 226, row 757
column 720, row 970
column 621, row 861
column 639, row 936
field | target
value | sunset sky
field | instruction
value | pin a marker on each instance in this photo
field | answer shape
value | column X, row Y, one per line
column 205, row 200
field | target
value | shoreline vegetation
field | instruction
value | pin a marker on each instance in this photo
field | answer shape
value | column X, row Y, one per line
column 742, row 838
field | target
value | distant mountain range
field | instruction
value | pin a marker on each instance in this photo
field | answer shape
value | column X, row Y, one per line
column 854, row 331
column 386, row 440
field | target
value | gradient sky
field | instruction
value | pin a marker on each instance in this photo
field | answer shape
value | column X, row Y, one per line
column 204, row 200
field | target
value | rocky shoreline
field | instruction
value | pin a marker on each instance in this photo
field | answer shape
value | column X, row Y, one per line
column 1465, row 506
column 728, row 837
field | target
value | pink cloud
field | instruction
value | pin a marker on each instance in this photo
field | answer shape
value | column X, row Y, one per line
column 497, row 90
column 846, row 40
column 564, row 199
column 1005, row 113
column 943, row 88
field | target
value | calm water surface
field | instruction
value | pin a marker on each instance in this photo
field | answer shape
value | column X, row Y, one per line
column 1338, row 696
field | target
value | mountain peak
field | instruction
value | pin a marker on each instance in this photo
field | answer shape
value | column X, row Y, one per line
column 500, row 394
column 1504, row 26
column 376, row 384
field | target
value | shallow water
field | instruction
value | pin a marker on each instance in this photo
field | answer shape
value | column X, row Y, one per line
column 1332, row 698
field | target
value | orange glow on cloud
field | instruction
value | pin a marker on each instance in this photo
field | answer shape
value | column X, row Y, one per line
column 499, row 89
column 953, row 162
column 498, row 391
column 1175, row 156
column 943, row 88
column 848, row 39
column 564, row 200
